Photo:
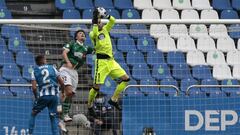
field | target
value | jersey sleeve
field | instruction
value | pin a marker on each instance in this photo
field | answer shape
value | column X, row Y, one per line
column 110, row 24
column 33, row 76
column 67, row 46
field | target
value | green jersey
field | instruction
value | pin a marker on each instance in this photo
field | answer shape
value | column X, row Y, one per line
column 77, row 53
column 101, row 39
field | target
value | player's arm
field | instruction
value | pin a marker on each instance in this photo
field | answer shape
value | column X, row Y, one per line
column 95, row 23
column 34, row 85
column 66, row 49
column 60, row 80
column 110, row 24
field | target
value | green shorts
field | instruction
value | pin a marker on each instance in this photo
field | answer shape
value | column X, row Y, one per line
column 105, row 67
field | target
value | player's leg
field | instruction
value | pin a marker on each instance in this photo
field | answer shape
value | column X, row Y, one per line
column 52, row 108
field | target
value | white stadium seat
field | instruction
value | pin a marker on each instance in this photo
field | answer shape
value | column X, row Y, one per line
column 218, row 30
column 166, row 44
column 215, row 58
column 189, row 14
column 182, row 4
column 150, row 13
column 198, row 30
column 142, row 4
column 225, row 44
column 186, row 44
column 209, row 14
column 201, row 4
column 236, row 72
column 170, row 14
column 195, row 58
column 233, row 57
column 222, row 72
column 158, row 30
column 162, row 4
column 206, row 44
column 178, row 30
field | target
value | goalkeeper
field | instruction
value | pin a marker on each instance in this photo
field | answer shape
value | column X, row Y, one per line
column 74, row 56
column 105, row 65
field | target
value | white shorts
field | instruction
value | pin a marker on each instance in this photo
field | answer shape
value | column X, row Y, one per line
column 70, row 77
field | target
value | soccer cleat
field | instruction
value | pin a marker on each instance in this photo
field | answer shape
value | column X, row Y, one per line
column 91, row 112
column 62, row 126
column 115, row 104
column 67, row 118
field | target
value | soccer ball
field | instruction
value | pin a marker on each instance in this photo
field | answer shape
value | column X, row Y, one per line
column 81, row 119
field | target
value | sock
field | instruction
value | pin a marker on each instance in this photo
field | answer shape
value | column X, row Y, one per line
column 120, row 87
column 66, row 105
column 92, row 94
column 31, row 123
column 54, row 124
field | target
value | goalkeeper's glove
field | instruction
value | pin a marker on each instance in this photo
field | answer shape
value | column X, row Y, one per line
column 102, row 13
column 95, row 16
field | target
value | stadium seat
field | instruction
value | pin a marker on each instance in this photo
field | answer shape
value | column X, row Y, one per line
column 221, row 4
column 6, row 58
column 170, row 14
column 229, row 14
column 221, row 72
column 130, row 14
column 230, row 89
column 209, row 14
column 104, row 3
column 10, row 71
column 234, row 31
column 155, row 57
column 25, row 58
column 201, row 72
column 236, row 72
column 185, row 44
column 64, row 4
column 182, row 4
column 206, row 44
column 3, row 4
column 125, row 67
column 211, row 90
column 150, row 14
column 139, row 30
column 198, row 30
column 135, row 57
column 189, row 14
column 123, row 4
column 218, row 30
column 21, row 91
column 5, row 14
column 175, row 57
column 118, row 56
column 87, row 14
column 114, row 12
column 187, row 83
column 145, row 44
column 162, row 4
column 84, row 4
column 233, row 57
column 16, row 44
column 225, row 44
column 161, row 71
column 90, row 58
column 142, row 4
column 8, row 31
column 140, row 71
column 132, row 90
column 166, row 44
column 168, row 90
column 88, row 42
column 75, row 27
column 109, row 86
column 126, row 44
column 215, row 58
column 181, row 71
column 26, row 72
column 201, row 4
column 4, row 91
column 236, row 5
column 158, row 30
column 149, row 90
column 178, row 30
column 3, row 46
column 71, row 14
column 195, row 58
column 119, row 31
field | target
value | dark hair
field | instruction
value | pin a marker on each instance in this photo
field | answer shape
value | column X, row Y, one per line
column 39, row 60
column 75, row 34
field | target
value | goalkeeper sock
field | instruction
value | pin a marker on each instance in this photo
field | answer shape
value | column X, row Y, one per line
column 31, row 123
column 120, row 87
column 92, row 94
column 66, row 106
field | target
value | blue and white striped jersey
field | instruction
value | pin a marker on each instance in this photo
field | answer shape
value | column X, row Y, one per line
column 46, row 78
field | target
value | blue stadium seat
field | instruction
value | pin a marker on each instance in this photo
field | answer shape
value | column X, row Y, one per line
column 211, row 90
column 90, row 59
column 10, row 71
column 88, row 42
column 155, row 57
column 87, row 14
column 84, row 4
column 126, row 68
column 3, row 4
column 123, row 4
column 119, row 31
column 168, row 90
column 229, row 89
column 10, row 31
column 132, row 90
column 236, row 4
column 140, row 71
column 135, row 57
column 4, row 91
column 234, row 31
column 175, row 57
column 149, row 90
column 109, row 86
column 145, row 44
column 17, row 44
column 185, row 83
column 181, row 71
column 25, row 58
column 6, row 58
column 139, row 30
column 229, row 14
column 201, row 72
column 118, row 56
column 75, row 27
column 114, row 13
column 3, row 46
column 71, row 14
column 26, row 72
column 19, row 89
column 104, row 3
column 126, row 44
column 64, row 4
column 5, row 14
column 161, row 71
column 221, row 4
column 130, row 14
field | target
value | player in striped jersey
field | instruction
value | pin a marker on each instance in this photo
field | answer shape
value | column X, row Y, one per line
column 45, row 79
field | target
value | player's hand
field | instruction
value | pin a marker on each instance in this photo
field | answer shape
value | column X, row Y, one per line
column 102, row 13
column 95, row 16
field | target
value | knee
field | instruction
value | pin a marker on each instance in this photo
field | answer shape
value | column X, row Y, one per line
column 68, row 91
column 96, row 87
column 125, row 78
column 34, row 113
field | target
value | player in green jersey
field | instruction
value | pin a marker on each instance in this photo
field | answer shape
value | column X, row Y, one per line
column 105, row 65
column 74, row 56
